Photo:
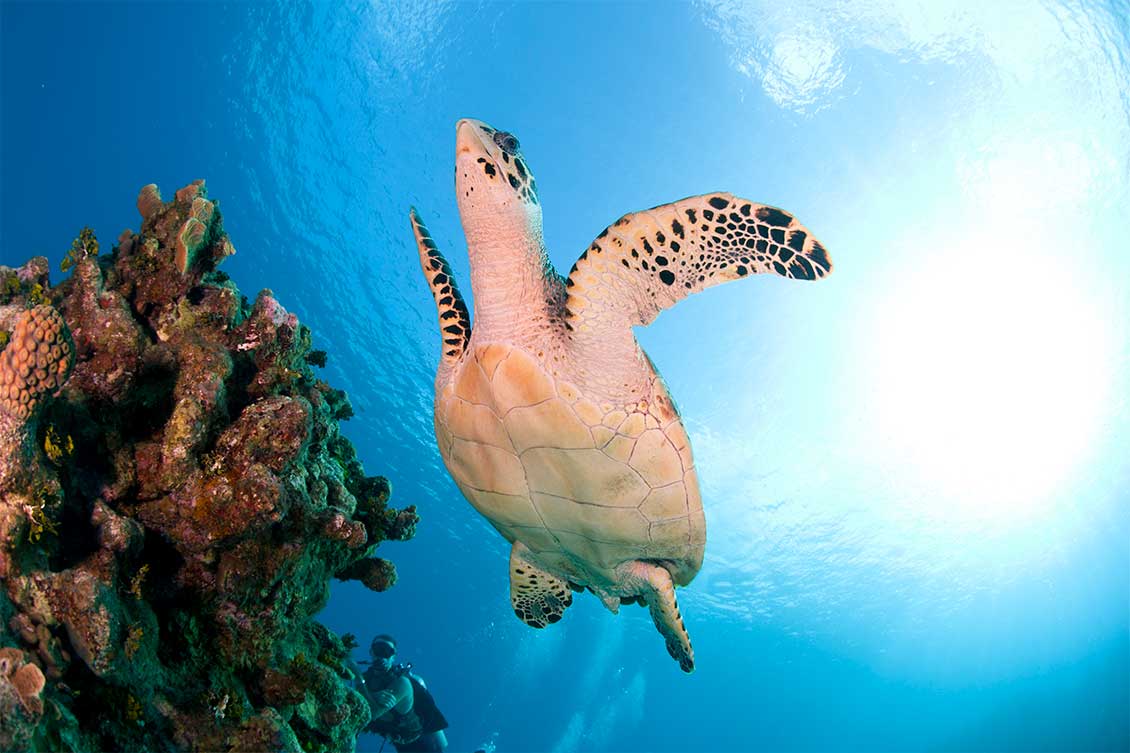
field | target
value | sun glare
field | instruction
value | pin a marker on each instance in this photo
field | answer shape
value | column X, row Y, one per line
column 989, row 378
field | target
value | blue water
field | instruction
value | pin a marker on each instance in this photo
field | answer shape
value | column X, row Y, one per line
column 914, row 472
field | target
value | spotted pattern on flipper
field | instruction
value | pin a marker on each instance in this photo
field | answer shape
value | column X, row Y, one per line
column 454, row 320
column 647, row 261
column 538, row 597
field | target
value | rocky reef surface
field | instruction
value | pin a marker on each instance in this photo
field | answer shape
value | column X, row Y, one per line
column 175, row 496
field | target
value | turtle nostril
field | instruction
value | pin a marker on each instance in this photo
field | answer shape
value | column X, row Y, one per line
column 507, row 142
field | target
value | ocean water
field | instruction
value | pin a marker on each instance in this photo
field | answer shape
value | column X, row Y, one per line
column 914, row 473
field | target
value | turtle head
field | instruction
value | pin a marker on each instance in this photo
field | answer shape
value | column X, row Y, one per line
column 494, row 186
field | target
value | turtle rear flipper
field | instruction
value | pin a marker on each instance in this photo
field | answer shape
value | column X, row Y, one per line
column 538, row 597
column 648, row 261
column 658, row 592
column 454, row 321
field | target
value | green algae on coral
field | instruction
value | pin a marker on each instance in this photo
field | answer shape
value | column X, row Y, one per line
column 84, row 246
column 9, row 286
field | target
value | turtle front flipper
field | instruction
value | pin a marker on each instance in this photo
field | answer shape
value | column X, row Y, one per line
column 658, row 592
column 454, row 322
column 648, row 261
column 539, row 598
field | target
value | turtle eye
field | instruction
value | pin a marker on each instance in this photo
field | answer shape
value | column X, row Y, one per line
column 507, row 142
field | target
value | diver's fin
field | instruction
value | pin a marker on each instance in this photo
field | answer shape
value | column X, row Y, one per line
column 454, row 321
column 538, row 597
column 648, row 261
column 658, row 591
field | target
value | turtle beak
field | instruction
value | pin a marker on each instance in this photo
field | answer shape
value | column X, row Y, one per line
column 469, row 135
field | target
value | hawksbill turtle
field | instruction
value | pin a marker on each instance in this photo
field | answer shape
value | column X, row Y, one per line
column 549, row 416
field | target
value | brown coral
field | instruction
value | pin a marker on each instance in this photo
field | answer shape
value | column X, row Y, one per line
column 189, row 193
column 375, row 573
column 202, row 209
column 29, row 682
column 189, row 241
column 149, row 201
column 10, row 658
column 36, row 362
column 27, row 679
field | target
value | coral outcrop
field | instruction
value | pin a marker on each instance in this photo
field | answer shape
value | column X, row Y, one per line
column 175, row 496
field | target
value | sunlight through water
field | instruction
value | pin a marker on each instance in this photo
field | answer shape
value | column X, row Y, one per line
column 993, row 393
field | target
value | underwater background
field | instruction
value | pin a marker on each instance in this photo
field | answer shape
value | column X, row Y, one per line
column 914, row 473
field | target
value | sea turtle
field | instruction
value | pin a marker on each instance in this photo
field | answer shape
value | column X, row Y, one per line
column 549, row 416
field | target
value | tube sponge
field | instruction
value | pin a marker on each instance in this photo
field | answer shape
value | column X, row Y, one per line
column 36, row 362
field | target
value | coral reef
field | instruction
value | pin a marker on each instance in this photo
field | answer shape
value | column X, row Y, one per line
column 175, row 497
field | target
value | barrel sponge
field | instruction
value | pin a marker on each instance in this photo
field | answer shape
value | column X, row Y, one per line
column 36, row 362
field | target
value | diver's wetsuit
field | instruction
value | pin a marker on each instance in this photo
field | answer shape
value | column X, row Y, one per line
column 425, row 743
column 407, row 731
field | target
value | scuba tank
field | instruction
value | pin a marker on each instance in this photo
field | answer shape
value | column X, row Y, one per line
column 431, row 718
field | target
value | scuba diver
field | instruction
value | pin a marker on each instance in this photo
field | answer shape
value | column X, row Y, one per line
column 404, row 712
